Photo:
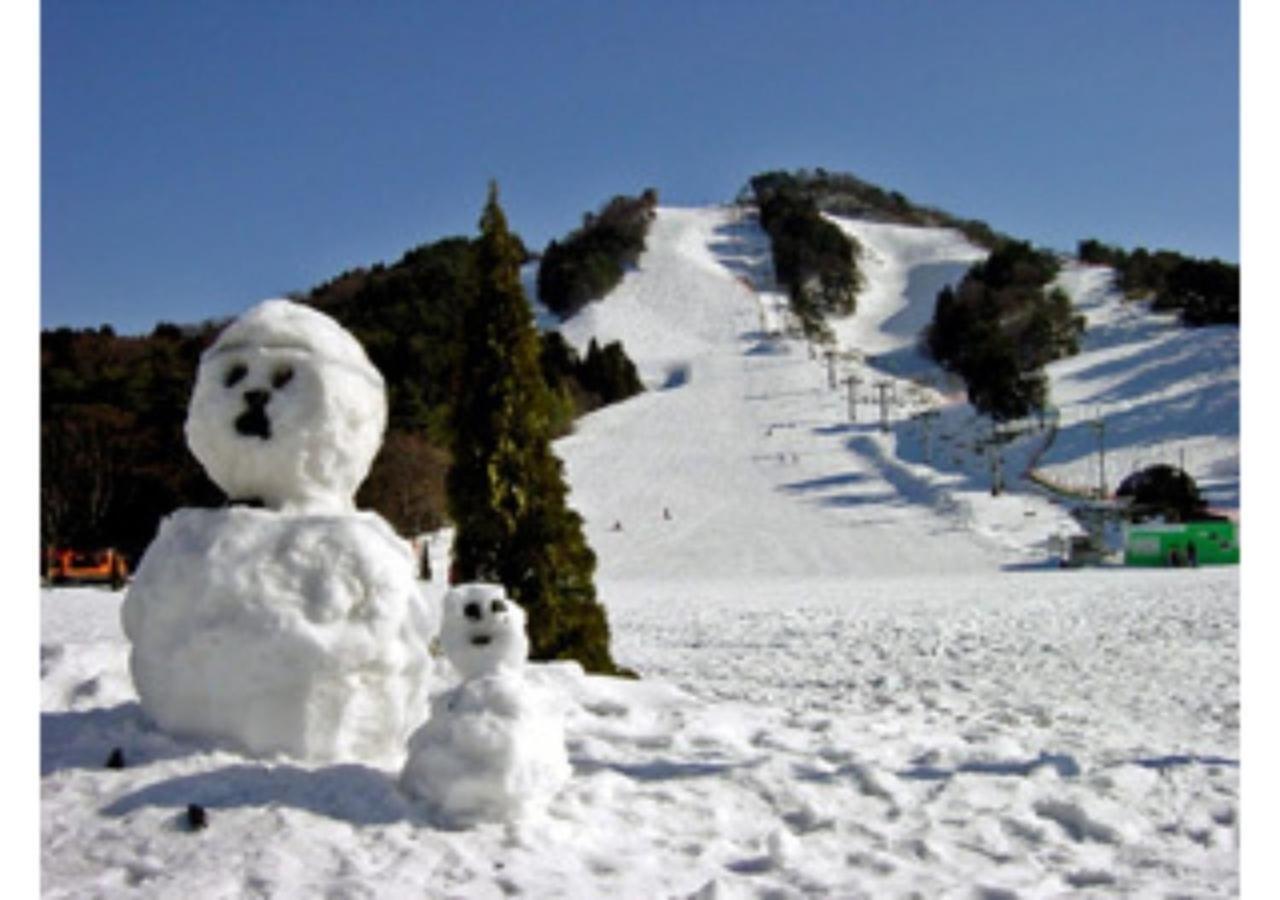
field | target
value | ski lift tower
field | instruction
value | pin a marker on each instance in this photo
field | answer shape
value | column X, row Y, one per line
column 853, row 381
column 1099, row 425
column 926, row 419
column 883, row 387
column 995, row 461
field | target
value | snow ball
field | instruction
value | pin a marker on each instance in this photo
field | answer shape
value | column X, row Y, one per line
column 493, row 749
column 305, row 635
column 483, row 630
column 287, row 409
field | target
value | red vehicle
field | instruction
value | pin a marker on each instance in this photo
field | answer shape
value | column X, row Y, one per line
column 67, row 566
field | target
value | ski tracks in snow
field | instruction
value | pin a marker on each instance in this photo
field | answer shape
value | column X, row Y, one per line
column 1038, row 732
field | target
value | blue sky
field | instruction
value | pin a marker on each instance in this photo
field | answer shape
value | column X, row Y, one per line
column 196, row 158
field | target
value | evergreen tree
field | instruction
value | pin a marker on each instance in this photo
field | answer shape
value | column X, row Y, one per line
column 1164, row 491
column 506, row 490
column 1001, row 326
column 609, row 373
column 812, row 257
column 591, row 261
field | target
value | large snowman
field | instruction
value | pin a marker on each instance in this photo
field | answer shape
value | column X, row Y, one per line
column 493, row 748
column 288, row 622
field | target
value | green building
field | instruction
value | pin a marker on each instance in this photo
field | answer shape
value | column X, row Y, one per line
column 1182, row 544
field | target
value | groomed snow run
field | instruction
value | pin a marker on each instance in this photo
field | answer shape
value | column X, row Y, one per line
column 859, row 676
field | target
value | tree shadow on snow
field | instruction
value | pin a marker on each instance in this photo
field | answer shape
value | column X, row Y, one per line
column 842, row 428
column 85, row 739
column 1048, row 564
column 908, row 361
column 1205, row 411
column 825, row 483
column 861, row 501
column 1184, row 354
column 768, row 346
column 742, row 249
column 1136, row 327
column 912, row 488
column 738, row 259
column 350, row 793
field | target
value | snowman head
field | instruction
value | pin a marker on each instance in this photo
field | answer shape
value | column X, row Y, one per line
column 483, row 630
column 287, row 410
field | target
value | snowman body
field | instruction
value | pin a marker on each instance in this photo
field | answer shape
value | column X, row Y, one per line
column 296, row 625
column 493, row 748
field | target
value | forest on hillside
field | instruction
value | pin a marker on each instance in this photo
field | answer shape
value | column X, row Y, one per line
column 842, row 194
column 591, row 260
column 813, row 259
column 1200, row 291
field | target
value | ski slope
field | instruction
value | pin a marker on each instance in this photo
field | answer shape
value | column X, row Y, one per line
column 1142, row 390
column 741, row 438
column 1165, row 393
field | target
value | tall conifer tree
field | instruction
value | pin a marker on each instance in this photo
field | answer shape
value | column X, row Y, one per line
column 506, row 490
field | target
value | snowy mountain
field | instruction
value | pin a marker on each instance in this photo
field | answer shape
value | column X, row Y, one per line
column 860, row 679
column 745, row 431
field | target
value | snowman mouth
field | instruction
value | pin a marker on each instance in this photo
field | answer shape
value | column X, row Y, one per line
column 253, row 422
column 481, row 640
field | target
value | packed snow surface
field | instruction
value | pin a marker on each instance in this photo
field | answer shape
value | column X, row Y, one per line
column 859, row 676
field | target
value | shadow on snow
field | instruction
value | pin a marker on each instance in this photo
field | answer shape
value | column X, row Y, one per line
column 85, row 739
column 352, row 793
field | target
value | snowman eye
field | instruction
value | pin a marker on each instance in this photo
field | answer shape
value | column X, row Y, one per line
column 472, row 611
column 282, row 376
column 498, row 607
column 235, row 375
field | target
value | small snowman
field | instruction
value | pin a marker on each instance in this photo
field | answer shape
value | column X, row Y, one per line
column 493, row 748
column 288, row 622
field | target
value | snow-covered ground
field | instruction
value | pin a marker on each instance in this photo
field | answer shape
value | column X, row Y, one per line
column 1026, row 733
column 860, row 676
